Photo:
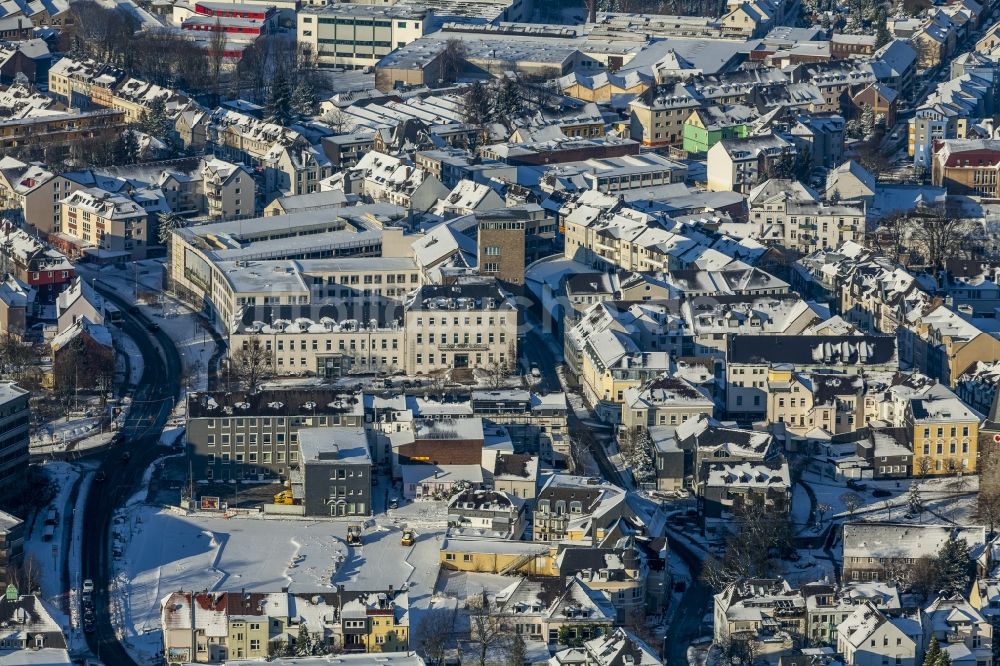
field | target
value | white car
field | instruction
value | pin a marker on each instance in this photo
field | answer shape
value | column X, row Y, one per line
column 88, row 586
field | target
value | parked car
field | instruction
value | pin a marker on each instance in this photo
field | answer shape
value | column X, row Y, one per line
column 88, row 586
column 126, row 456
column 881, row 492
column 101, row 477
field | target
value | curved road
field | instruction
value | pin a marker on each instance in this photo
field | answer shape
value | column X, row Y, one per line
column 151, row 406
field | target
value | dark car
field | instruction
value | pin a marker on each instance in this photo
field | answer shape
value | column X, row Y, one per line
column 134, row 309
column 101, row 477
column 126, row 456
column 881, row 492
column 153, row 326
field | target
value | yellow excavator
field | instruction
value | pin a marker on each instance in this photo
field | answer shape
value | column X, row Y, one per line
column 354, row 534
column 284, row 497
column 408, row 538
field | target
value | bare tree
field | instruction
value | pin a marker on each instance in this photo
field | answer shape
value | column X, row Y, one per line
column 923, row 576
column 497, row 374
column 490, row 633
column 988, row 499
column 216, row 52
column 924, row 466
column 452, row 60
column 758, row 534
column 337, row 119
column 852, row 502
column 939, row 237
column 435, row 630
column 251, row 364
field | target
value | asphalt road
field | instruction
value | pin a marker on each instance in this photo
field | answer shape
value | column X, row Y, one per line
column 152, row 403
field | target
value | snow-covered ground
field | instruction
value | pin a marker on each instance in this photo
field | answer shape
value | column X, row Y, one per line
column 166, row 550
column 82, row 432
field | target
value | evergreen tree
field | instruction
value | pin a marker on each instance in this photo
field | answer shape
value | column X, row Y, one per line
column 867, row 121
column 304, row 97
column 279, row 100
column 303, row 642
column 882, row 36
column 944, row 659
column 477, row 107
column 155, row 121
column 913, row 502
column 510, row 101
column 953, row 566
column 933, row 653
column 125, row 149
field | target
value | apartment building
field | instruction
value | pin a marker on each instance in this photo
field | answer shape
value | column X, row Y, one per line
column 664, row 401
column 788, row 214
column 237, row 436
column 230, row 190
column 94, row 221
column 287, row 162
column 658, row 116
column 882, row 551
column 945, row 435
column 11, row 543
column 355, row 36
column 30, row 193
column 895, row 637
column 577, row 509
column 15, row 415
column 711, row 320
column 459, row 326
column 60, row 133
column 749, row 358
column 738, row 165
column 34, row 263
column 831, row 402
column 951, row 111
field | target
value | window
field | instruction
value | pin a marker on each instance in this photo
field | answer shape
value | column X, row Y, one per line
column 493, row 250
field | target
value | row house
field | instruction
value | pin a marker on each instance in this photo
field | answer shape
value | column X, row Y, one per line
column 285, row 161
column 215, row 627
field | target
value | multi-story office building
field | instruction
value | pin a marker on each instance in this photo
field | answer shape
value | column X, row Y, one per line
column 336, row 471
column 15, row 415
column 501, row 238
column 357, row 35
column 459, row 326
column 256, row 436
column 11, row 543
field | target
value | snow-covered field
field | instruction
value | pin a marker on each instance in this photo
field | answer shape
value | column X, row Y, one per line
column 166, row 550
